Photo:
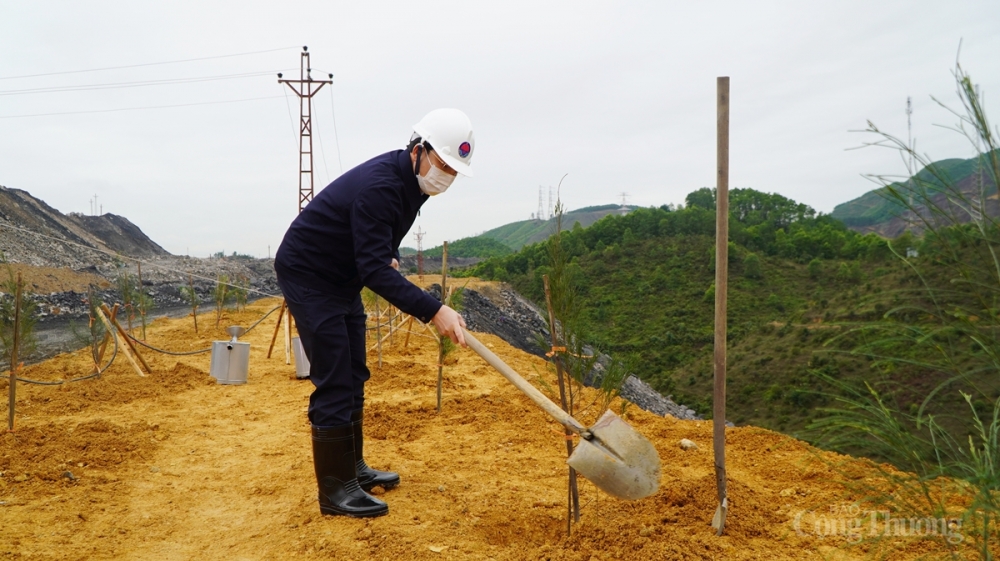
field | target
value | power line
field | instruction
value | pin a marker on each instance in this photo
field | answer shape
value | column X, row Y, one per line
column 144, row 64
column 139, row 108
column 117, row 85
column 336, row 136
column 295, row 134
column 322, row 152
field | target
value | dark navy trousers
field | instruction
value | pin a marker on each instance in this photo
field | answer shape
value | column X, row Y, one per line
column 332, row 331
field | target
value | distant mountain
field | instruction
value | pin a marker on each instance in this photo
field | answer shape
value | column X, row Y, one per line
column 509, row 238
column 519, row 234
column 874, row 212
column 67, row 235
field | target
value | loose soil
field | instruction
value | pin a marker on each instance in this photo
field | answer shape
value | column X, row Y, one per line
column 174, row 466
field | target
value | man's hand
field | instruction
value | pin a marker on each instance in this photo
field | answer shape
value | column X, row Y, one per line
column 394, row 264
column 450, row 324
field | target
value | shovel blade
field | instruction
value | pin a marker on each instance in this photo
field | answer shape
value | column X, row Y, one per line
column 618, row 460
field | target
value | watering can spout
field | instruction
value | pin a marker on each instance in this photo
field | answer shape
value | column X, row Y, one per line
column 234, row 332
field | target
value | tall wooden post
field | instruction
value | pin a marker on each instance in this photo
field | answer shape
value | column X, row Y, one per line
column 721, row 281
column 288, row 336
column 444, row 301
column 378, row 330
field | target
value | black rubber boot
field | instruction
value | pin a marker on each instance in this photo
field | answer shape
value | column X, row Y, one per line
column 339, row 491
column 368, row 477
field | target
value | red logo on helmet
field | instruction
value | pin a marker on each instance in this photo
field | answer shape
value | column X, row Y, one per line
column 464, row 149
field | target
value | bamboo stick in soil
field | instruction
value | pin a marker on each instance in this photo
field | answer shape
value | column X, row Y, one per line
column 409, row 328
column 288, row 336
column 105, row 341
column 128, row 341
column 573, row 502
column 392, row 316
column 12, row 387
column 124, row 348
column 138, row 265
column 378, row 330
column 194, row 307
column 277, row 327
column 721, row 281
column 444, row 301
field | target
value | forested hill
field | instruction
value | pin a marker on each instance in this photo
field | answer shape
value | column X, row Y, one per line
column 518, row 234
column 955, row 178
column 509, row 238
column 644, row 285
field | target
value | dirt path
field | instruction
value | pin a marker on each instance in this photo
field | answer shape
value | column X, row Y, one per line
column 174, row 466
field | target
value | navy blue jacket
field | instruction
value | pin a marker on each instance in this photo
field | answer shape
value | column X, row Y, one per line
column 347, row 236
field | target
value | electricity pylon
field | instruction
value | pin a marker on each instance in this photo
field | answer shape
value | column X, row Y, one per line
column 305, row 87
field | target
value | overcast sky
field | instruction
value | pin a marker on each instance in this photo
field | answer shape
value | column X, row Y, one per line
column 619, row 95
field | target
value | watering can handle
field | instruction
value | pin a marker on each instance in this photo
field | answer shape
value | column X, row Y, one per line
column 520, row 383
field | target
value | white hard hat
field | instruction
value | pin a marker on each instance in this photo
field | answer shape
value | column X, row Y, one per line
column 449, row 132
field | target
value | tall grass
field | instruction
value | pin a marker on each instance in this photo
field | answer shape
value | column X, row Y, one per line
column 948, row 327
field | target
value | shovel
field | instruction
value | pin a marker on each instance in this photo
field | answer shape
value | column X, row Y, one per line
column 611, row 454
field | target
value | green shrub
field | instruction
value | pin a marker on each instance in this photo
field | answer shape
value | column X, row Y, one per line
column 751, row 266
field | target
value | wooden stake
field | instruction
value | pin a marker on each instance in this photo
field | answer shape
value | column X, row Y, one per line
column 138, row 265
column 106, row 340
column 383, row 340
column 288, row 336
column 378, row 330
column 573, row 502
column 444, row 301
column 721, row 282
column 392, row 316
column 124, row 348
column 194, row 307
column 277, row 327
column 409, row 326
column 128, row 341
column 12, row 387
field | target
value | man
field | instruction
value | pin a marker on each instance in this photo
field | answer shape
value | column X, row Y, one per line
column 348, row 238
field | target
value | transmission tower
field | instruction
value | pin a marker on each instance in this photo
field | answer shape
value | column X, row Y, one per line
column 305, row 87
column 623, row 210
column 419, row 235
column 551, row 211
column 541, row 209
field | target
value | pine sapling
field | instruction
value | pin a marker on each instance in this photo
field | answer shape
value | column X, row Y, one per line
column 127, row 291
column 27, row 311
column 240, row 292
column 191, row 295
column 220, row 295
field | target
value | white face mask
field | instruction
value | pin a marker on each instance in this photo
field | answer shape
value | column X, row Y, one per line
column 435, row 182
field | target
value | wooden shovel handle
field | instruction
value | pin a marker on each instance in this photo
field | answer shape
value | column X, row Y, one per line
column 520, row 383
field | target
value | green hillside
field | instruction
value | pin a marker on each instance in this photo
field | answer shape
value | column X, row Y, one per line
column 518, row 234
column 511, row 237
column 800, row 283
column 477, row 246
column 874, row 208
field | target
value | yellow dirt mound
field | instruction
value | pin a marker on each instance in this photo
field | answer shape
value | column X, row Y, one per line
column 43, row 280
column 174, row 466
